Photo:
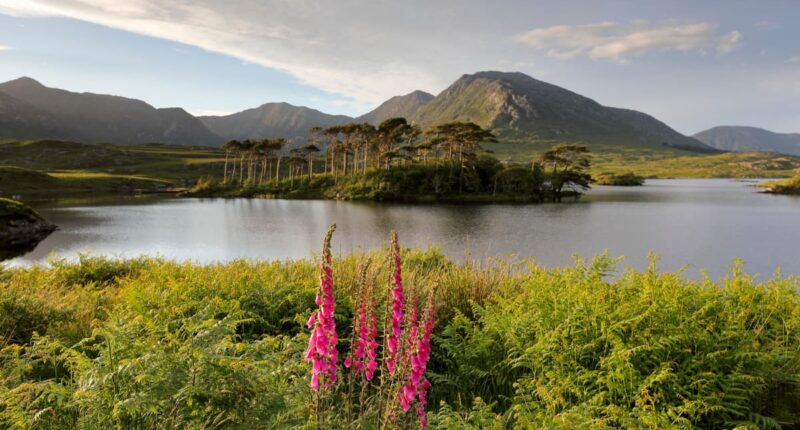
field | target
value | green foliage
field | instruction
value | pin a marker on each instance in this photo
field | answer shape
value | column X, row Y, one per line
column 488, row 180
column 628, row 179
column 789, row 186
column 149, row 343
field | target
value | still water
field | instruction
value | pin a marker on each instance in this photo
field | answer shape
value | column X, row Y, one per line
column 701, row 223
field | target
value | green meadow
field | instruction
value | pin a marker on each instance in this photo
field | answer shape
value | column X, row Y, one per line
column 149, row 343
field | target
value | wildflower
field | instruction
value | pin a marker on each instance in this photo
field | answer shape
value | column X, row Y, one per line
column 358, row 345
column 397, row 307
column 322, row 352
column 423, row 392
column 416, row 386
column 372, row 344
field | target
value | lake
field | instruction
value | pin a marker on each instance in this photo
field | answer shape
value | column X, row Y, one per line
column 703, row 222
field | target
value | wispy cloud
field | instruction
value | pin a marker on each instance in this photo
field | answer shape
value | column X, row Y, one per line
column 351, row 49
column 794, row 60
column 770, row 25
column 4, row 48
column 619, row 42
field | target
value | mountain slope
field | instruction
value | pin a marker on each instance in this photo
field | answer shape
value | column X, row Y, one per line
column 399, row 106
column 517, row 105
column 104, row 118
column 271, row 120
column 23, row 121
column 742, row 139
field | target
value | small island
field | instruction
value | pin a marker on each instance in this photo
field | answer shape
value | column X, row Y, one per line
column 628, row 179
column 788, row 186
column 396, row 161
column 21, row 228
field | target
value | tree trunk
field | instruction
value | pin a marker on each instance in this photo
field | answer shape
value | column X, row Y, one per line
column 225, row 175
column 333, row 160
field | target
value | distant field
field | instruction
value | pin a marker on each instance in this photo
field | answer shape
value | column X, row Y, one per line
column 666, row 162
column 38, row 169
column 48, row 168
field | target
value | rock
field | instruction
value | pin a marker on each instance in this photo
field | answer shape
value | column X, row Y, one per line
column 21, row 229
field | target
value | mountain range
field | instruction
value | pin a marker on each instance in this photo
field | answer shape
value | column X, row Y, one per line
column 32, row 110
column 517, row 107
column 743, row 139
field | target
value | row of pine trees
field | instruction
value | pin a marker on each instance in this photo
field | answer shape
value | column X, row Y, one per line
column 354, row 148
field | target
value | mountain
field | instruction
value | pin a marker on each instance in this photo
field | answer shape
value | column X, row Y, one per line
column 399, row 106
column 740, row 139
column 100, row 118
column 23, row 121
column 518, row 106
column 271, row 120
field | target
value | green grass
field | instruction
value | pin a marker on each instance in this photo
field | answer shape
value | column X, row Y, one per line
column 150, row 343
column 12, row 210
column 789, row 186
column 47, row 168
column 628, row 179
column 655, row 162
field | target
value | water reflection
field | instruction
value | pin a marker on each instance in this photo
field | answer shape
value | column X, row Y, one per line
column 704, row 222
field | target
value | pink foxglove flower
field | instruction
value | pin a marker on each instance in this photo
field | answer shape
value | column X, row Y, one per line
column 322, row 352
column 416, row 386
column 392, row 342
column 361, row 329
column 423, row 392
column 372, row 346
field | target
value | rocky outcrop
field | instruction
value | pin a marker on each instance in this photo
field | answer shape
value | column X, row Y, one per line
column 21, row 229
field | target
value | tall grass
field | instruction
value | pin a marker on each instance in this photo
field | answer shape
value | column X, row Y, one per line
column 150, row 343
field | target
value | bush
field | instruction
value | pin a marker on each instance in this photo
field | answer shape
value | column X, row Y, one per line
column 622, row 179
column 152, row 343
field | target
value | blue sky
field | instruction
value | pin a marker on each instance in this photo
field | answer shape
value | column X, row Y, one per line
column 693, row 64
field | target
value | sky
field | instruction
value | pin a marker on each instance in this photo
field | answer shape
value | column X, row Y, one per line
column 693, row 64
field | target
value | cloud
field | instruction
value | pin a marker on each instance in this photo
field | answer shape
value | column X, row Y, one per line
column 4, row 48
column 354, row 49
column 209, row 112
column 770, row 25
column 794, row 60
column 619, row 42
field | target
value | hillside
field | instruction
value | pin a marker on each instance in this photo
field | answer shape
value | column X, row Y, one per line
column 740, row 139
column 399, row 106
column 520, row 109
column 271, row 120
column 523, row 108
column 24, row 121
column 95, row 118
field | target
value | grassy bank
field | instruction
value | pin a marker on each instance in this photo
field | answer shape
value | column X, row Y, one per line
column 21, row 228
column 160, row 344
column 628, row 179
column 50, row 168
column 789, row 186
column 666, row 162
